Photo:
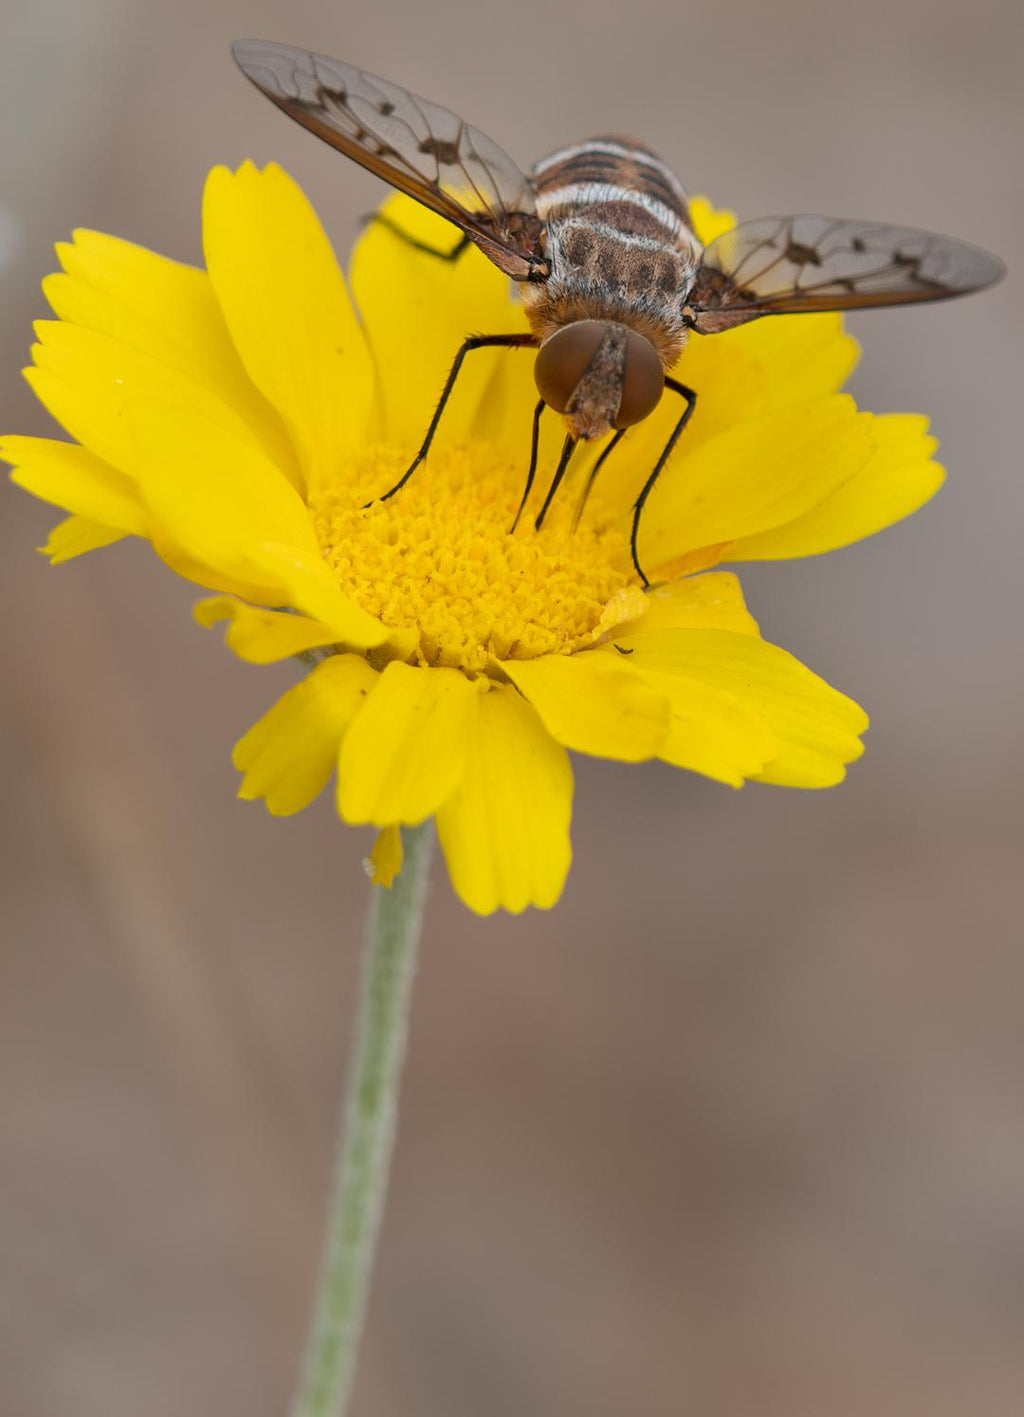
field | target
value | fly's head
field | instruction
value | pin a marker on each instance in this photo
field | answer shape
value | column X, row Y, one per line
column 600, row 375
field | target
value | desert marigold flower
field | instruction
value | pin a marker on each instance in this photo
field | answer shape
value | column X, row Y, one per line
column 241, row 418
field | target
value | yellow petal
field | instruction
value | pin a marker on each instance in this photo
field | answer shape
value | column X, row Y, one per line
column 262, row 636
column 71, row 477
column 288, row 755
column 708, row 221
column 799, row 357
column 386, row 858
column 75, row 535
column 184, row 564
column 899, row 478
column 309, row 586
column 713, row 733
column 89, row 407
column 216, row 495
column 406, row 750
column 713, row 601
column 288, row 311
column 418, row 309
column 168, row 311
column 94, row 385
column 214, row 498
column 757, row 475
column 817, row 728
column 594, row 704
column 710, row 732
column 505, row 830
column 627, row 606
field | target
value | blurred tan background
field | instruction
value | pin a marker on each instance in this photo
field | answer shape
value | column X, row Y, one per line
column 737, row 1130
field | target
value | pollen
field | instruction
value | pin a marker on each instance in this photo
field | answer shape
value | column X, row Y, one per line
column 440, row 558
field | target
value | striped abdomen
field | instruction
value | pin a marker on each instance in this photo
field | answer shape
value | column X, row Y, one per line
column 628, row 184
column 619, row 242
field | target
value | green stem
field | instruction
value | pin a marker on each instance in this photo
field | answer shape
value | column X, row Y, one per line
column 368, row 1130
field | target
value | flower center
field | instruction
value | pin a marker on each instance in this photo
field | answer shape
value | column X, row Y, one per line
column 439, row 557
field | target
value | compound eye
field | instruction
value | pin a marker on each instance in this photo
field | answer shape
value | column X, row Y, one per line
column 643, row 381
column 564, row 358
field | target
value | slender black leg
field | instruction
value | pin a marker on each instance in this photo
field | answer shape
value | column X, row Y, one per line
column 593, row 475
column 474, row 342
column 563, row 463
column 691, row 403
column 534, row 445
column 452, row 255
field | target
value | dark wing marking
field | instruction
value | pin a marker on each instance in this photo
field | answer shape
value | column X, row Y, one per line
column 784, row 265
column 420, row 148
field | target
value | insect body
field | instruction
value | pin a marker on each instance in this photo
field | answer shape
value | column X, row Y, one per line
column 621, row 255
column 599, row 238
column 621, row 250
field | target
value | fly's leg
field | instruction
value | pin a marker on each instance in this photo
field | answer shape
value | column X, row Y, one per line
column 563, row 463
column 521, row 341
column 691, row 403
column 424, row 246
column 531, row 474
column 605, row 454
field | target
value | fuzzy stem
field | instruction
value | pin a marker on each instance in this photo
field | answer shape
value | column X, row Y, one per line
column 367, row 1134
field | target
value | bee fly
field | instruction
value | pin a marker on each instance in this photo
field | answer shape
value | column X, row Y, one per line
column 599, row 238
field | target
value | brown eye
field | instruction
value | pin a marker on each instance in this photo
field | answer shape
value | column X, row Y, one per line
column 563, row 359
column 643, row 381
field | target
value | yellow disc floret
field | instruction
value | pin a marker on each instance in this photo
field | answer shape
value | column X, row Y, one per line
column 440, row 558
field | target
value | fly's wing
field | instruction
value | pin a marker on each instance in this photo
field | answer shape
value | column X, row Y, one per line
column 785, row 265
column 416, row 146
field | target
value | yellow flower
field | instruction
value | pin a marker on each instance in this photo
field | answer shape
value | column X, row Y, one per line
column 241, row 417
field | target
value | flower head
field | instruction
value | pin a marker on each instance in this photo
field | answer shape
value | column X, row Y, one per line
column 244, row 418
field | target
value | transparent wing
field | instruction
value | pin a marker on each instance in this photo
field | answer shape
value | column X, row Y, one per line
column 416, row 146
column 784, row 265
